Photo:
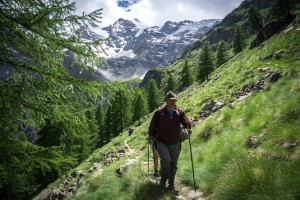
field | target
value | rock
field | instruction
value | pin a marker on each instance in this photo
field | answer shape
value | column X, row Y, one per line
column 264, row 69
column 121, row 170
column 279, row 52
column 288, row 145
column 268, row 31
column 72, row 189
column 230, row 105
column 252, row 142
column 121, row 150
column 217, row 106
column 266, row 58
column 262, row 45
column 237, row 94
column 91, row 170
column 70, row 178
column 66, row 182
column 61, row 195
column 74, row 174
column 81, row 174
column 209, row 106
column 274, row 77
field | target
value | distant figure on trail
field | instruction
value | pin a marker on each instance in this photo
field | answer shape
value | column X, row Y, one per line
column 165, row 129
column 130, row 131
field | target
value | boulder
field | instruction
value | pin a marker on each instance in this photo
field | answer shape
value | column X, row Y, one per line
column 268, row 31
column 230, row 105
column 209, row 106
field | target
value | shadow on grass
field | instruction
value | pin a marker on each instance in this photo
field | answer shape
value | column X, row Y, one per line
column 149, row 190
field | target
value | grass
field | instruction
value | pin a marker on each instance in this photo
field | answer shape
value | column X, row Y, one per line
column 225, row 167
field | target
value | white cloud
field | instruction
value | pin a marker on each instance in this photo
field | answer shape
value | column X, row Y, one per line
column 156, row 12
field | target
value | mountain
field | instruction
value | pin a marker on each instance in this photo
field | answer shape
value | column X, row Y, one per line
column 245, row 140
column 132, row 48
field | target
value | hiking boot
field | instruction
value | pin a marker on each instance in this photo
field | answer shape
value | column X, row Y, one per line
column 173, row 191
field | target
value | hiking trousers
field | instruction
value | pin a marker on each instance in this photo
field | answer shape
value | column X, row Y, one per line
column 168, row 161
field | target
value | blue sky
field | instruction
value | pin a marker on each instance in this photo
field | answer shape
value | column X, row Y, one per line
column 156, row 12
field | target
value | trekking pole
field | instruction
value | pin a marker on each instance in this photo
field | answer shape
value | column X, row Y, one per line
column 192, row 163
column 148, row 156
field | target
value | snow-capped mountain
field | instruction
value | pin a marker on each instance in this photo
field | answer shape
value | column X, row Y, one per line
column 132, row 48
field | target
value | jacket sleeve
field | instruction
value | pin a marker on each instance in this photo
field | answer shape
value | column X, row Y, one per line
column 153, row 125
column 186, row 125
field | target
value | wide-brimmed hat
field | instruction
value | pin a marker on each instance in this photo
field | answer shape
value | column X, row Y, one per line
column 171, row 95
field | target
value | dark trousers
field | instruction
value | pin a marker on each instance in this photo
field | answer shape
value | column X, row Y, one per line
column 168, row 161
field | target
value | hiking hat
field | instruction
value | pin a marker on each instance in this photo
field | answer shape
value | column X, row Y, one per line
column 171, row 96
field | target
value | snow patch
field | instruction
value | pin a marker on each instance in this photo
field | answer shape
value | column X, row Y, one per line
column 128, row 53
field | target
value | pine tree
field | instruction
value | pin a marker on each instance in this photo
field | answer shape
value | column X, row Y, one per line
column 255, row 18
column 238, row 39
column 186, row 79
column 140, row 107
column 205, row 63
column 100, row 117
column 121, row 110
column 281, row 9
column 154, row 96
column 170, row 84
column 40, row 90
column 93, row 130
column 221, row 53
column 108, row 123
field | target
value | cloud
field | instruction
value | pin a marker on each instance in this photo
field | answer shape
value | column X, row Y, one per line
column 156, row 12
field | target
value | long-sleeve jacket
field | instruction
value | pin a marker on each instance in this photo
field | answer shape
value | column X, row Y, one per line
column 166, row 128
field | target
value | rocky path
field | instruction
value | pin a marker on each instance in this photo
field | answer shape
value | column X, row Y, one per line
column 185, row 192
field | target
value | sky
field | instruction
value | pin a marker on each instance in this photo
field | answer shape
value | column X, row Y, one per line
column 157, row 12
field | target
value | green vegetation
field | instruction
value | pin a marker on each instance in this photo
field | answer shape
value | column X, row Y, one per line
column 206, row 64
column 238, row 39
column 255, row 18
column 226, row 167
column 248, row 151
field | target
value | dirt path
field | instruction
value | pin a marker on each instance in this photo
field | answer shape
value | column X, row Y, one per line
column 185, row 192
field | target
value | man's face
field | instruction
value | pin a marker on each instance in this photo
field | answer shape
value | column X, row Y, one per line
column 171, row 102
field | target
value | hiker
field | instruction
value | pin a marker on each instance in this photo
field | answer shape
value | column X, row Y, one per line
column 164, row 128
column 155, row 156
column 130, row 131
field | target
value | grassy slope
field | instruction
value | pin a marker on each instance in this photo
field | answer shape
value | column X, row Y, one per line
column 224, row 168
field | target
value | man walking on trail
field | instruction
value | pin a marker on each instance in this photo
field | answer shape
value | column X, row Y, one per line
column 165, row 129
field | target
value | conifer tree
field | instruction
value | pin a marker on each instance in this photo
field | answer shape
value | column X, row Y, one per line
column 140, row 107
column 170, row 84
column 281, row 9
column 255, row 18
column 93, row 130
column 186, row 79
column 108, row 122
column 221, row 53
column 238, row 39
column 100, row 117
column 205, row 62
column 121, row 110
column 38, row 90
column 154, row 96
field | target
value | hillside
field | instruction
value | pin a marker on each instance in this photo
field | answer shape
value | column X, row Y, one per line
column 246, row 147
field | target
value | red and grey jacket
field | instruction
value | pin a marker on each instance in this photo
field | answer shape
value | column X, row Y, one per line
column 166, row 128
